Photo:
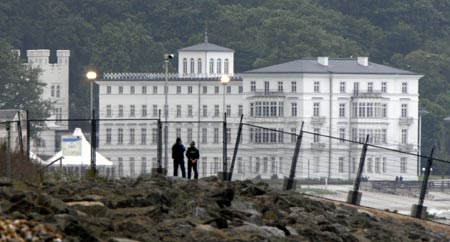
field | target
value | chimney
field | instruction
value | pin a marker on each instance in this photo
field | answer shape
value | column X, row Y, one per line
column 364, row 61
column 323, row 60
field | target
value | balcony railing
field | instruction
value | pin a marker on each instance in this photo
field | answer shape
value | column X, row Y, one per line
column 317, row 146
column 406, row 147
column 267, row 93
column 367, row 94
column 318, row 120
column 406, row 120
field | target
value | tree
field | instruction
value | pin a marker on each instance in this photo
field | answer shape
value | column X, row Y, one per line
column 20, row 87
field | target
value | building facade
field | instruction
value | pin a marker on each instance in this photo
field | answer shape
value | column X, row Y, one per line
column 346, row 98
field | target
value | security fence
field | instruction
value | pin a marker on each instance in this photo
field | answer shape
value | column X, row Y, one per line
column 364, row 169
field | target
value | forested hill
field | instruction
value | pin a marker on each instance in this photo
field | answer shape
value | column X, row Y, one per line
column 132, row 35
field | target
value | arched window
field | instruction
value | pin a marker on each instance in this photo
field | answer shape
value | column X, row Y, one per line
column 199, row 65
column 211, row 66
column 219, row 66
column 52, row 91
column 192, row 66
column 225, row 67
column 58, row 91
column 184, row 66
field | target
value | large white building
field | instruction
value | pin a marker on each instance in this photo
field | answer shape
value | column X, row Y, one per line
column 347, row 98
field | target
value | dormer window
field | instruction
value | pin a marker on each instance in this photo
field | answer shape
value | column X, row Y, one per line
column 211, row 66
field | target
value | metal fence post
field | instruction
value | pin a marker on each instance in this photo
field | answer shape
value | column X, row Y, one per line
column 28, row 135
column 418, row 210
column 93, row 143
column 19, row 129
column 289, row 183
column 159, row 169
column 8, row 151
column 236, row 147
column 224, row 174
column 354, row 196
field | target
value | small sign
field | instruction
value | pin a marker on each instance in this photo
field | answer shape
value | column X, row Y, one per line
column 71, row 146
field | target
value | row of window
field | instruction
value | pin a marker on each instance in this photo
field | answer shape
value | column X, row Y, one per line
column 212, row 70
column 178, row 89
column 377, row 165
column 179, row 110
column 55, row 91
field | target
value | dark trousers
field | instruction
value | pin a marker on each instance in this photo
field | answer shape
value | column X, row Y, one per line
column 194, row 167
column 180, row 163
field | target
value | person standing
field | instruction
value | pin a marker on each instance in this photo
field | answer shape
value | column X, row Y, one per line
column 178, row 157
column 192, row 154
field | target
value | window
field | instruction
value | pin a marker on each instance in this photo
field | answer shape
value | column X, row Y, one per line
column 273, row 165
column 58, row 91
column 316, row 165
column 403, row 164
column 132, row 135
column 342, row 87
column 132, row 111
column 131, row 89
column 353, row 164
column 108, row 89
column 342, row 135
column 131, row 166
column 257, row 164
column 143, row 136
column 154, row 135
column 252, row 86
column 199, row 66
column 108, row 111
column 266, row 87
column 184, row 66
column 355, row 88
column 205, row 111
column 178, row 132
column 280, row 86
column 225, row 67
column 384, row 110
column 120, row 89
column 404, row 136
column 228, row 89
column 341, row 110
column 384, row 87
column 190, row 89
column 155, row 89
column 144, row 110
column 189, row 135
column 341, row 164
column 192, row 66
column 216, row 136
column 120, row 166
column 281, row 109
column 143, row 165
column 178, row 111
column 205, row 89
column 369, row 165
column 293, row 86
column 166, row 89
column 216, row 89
column 316, row 87
column 370, row 87
column 316, row 109
column 52, row 91
column 384, row 165
column 216, row 111
column 204, row 135
column 211, row 66
column 228, row 135
column 189, row 110
column 316, row 135
column 404, row 112
column 120, row 136
column 370, row 110
column 204, row 165
column 294, row 109
column 144, row 89
column 120, row 110
column 240, row 110
column 155, row 110
column 108, row 135
column 228, row 110
column 178, row 89
column 377, row 165
column 404, row 87
column 239, row 168
column 265, row 165
column 219, row 66
column 241, row 89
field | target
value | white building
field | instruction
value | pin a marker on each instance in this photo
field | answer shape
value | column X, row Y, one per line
column 56, row 78
column 346, row 98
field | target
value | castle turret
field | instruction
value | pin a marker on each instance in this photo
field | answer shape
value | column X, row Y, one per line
column 63, row 57
column 39, row 57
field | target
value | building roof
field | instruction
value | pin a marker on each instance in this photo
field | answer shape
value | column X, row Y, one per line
column 206, row 46
column 8, row 114
column 335, row 65
column 159, row 77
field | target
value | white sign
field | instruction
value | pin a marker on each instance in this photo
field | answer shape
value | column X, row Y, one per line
column 71, row 146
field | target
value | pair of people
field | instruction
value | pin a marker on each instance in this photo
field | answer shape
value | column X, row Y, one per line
column 192, row 155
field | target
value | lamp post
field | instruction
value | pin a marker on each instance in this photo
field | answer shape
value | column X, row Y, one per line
column 167, row 57
column 419, row 141
column 91, row 76
column 225, row 80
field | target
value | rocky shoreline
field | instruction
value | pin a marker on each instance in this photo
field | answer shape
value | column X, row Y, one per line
column 167, row 209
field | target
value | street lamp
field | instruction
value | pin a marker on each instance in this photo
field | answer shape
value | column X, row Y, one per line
column 167, row 57
column 225, row 79
column 91, row 76
column 419, row 141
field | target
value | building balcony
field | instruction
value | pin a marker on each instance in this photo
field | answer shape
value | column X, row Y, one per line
column 266, row 93
column 318, row 146
column 406, row 147
column 406, row 120
column 367, row 94
column 318, row 120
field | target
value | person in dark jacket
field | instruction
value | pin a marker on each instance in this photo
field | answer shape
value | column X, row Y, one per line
column 192, row 154
column 178, row 157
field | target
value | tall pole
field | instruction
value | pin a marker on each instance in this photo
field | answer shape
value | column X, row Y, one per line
column 166, row 110
column 419, row 144
column 92, row 100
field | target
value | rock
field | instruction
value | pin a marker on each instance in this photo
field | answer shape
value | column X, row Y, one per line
column 91, row 208
column 75, row 229
column 264, row 231
column 122, row 240
column 223, row 198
